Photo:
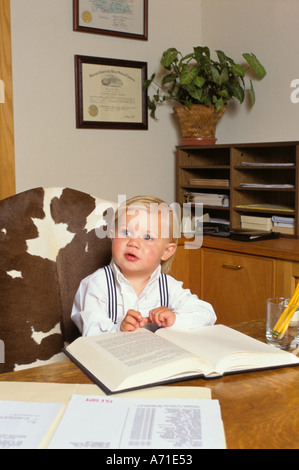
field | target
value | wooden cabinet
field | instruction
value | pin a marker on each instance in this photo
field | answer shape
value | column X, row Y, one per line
column 236, row 285
column 181, row 266
column 287, row 278
column 238, row 277
column 187, row 267
column 251, row 179
column 254, row 179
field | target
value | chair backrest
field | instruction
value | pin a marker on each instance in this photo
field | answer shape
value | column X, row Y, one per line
column 48, row 244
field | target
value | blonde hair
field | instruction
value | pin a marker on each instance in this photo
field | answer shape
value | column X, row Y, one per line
column 147, row 202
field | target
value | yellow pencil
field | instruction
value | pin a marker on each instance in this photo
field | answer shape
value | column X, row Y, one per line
column 293, row 302
column 285, row 319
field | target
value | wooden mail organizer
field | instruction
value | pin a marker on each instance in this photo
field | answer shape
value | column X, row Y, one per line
column 236, row 181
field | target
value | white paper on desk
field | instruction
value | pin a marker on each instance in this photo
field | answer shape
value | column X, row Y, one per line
column 23, row 425
column 62, row 393
column 131, row 423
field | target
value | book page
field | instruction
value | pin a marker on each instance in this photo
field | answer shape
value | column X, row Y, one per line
column 23, row 425
column 140, row 349
column 92, row 422
column 226, row 348
column 125, row 360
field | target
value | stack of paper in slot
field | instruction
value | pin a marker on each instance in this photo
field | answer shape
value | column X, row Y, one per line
column 209, row 199
column 256, row 223
column 284, row 225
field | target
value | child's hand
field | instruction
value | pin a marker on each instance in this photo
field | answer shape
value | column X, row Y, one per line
column 132, row 321
column 162, row 316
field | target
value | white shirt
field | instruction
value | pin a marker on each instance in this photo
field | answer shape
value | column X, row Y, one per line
column 90, row 308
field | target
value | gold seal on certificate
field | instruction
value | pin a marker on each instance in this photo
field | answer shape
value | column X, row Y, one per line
column 93, row 110
column 86, row 16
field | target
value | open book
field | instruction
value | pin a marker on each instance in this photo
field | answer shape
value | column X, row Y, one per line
column 125, row 361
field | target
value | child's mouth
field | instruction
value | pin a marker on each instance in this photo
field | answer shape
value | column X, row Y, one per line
column 131, row 257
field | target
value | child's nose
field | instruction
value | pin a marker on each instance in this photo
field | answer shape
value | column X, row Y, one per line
column 134, row 240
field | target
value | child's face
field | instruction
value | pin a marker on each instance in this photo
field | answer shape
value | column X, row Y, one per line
column 140, row 243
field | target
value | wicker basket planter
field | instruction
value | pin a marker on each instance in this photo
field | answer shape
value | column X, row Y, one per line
column 198, row 123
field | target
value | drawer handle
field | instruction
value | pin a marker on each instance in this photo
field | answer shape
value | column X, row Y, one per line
column 234, row 267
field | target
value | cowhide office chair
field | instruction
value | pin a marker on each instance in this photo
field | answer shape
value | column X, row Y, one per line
column 48, row 243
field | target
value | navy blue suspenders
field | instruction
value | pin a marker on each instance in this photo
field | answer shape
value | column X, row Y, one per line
column 163, row 286
column 112, row 296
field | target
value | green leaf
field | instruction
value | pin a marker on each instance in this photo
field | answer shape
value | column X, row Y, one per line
column 189, row 104
column 148, row 82
column 215, row 75
column 224, row 93
column 187, row 57
column 152, row 107
column 224, row 76
column 238, row 70
column 188, row 76
column 221, row 56
column 237, row 91
column 224, row 58
column 201, row 51
column 169, row 57
column 169, row 78
column 199, row 82
column 206, row 100
column 196, row 93
column 219, row 104
column 258, row 68
column 252, row 93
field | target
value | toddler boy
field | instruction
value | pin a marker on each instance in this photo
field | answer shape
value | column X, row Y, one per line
column 135, row 290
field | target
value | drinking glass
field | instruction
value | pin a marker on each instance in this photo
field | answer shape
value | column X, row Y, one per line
column 275, row 308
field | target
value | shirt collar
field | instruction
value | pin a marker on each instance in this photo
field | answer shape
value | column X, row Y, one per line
column 121, row 278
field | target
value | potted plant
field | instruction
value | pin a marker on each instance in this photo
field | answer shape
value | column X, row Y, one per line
column 201, row 86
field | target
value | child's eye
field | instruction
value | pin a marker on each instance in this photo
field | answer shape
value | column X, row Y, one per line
column 124, row 232
column 148, row 238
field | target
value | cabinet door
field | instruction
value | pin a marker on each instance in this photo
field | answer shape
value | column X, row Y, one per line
column 181, row 266
column 237, row 285
column 287, row 278
column 187, row 268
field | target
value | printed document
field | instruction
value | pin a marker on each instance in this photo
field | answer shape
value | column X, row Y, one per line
column 24, row 425
column 94, row 422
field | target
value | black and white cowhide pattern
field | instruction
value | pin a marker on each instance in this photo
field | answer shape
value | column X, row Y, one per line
column 48, row 244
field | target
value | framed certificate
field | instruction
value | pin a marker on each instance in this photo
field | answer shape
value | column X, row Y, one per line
column 124, row 18
column 110, row 93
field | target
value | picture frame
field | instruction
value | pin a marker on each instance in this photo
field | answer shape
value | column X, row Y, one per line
column 110, row 93
column 123, row 18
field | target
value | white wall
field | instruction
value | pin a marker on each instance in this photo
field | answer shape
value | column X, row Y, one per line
column 50, row 151
column 268, row 28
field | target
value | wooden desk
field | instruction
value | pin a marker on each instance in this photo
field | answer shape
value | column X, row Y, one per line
column 260, row 410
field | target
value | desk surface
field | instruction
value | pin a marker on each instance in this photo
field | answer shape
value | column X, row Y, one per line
column 260, row 410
